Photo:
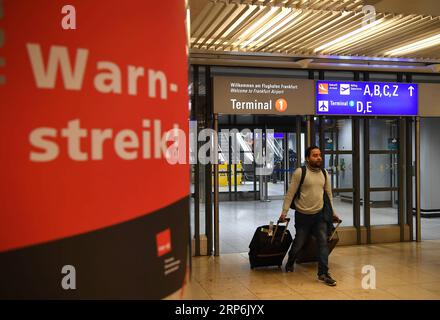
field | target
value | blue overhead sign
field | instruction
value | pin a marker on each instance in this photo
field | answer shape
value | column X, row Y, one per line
column 366, row 98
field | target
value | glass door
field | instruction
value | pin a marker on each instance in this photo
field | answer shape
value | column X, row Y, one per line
column 277, row 180
column 383, row 153
column 386, row 161
column 335, row 139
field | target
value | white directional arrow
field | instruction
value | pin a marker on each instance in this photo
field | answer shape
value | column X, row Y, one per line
column 411, row 88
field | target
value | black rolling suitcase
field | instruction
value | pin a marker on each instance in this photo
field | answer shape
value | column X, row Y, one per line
column 269, row 250
column 309, row 253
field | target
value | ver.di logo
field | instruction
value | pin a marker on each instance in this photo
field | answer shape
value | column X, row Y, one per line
column 281, row 105
column 163, row 242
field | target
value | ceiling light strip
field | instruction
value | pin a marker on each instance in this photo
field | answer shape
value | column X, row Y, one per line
column 278, row 31
column 389, row 37
column 237, row 25
column 341, row 25
column 321, row 30
column 360, row 38
column 286, row 31
column 219, row 20
column 305, row 28
column 299, row 27
column 289, row 19
column 416, row 46
column 249, row 21
column 228, row 25
column 264, row 31
column 220, row 24
column 207, row 23
column 200, row 18
column 339, row 31
column 396, row 41
column 411, row 37
column 259, row 23
column 240, row 25
column 346, row 36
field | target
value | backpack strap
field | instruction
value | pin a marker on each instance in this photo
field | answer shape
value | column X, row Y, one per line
column 325, row 177
column 297, row 194
column 328, row 209
column 303, row 176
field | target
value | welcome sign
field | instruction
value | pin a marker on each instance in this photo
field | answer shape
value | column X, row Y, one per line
column 87, row 209
column 276, row 96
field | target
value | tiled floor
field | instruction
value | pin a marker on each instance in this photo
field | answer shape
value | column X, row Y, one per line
column 407, row 270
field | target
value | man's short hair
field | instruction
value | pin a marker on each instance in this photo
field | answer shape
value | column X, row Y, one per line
column 309, row 150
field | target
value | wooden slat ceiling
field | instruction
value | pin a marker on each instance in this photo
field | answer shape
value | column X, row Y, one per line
column 308, row 27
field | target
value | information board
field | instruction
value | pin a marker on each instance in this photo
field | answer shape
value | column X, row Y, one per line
column 366, row 98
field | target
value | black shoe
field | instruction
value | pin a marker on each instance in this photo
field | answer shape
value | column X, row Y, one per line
column 289, row 267
column 327, row 279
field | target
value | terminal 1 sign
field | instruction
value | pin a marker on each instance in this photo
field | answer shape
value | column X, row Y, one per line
column 366, row 98
column 270, row 96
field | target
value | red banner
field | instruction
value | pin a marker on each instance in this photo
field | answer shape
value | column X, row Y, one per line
column 84, row 115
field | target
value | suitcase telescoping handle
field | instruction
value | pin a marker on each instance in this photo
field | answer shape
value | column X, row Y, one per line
column 286, row 221
column 338, row 222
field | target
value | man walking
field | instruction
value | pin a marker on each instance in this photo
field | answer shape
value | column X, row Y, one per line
column 309, row 213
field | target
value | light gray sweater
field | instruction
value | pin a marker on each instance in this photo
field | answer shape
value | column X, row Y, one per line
column 312, row 191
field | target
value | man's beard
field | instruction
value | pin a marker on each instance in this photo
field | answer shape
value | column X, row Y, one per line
column 315, row 164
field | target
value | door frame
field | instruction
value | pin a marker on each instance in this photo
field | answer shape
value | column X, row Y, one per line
column 366, row 233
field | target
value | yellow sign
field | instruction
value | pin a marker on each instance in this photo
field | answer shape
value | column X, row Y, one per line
column 223, row 174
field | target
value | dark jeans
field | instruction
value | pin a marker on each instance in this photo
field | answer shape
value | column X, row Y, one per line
column 305, row 225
